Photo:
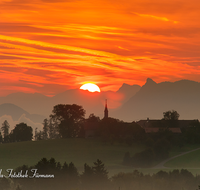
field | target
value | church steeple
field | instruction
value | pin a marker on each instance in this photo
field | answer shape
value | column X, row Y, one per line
column 106, row 110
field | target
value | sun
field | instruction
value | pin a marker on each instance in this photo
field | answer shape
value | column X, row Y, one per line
column 90, row 87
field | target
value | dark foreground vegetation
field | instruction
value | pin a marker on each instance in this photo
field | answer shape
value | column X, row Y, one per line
column 68, row 121
column 66, row 177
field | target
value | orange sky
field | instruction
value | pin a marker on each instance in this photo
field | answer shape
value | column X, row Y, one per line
column 49, row 46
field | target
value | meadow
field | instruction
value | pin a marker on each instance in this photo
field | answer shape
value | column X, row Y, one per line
column 190, row 160
column 81, row 151
column 76, row 150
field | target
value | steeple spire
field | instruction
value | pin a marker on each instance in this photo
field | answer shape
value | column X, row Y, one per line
column 106, row 110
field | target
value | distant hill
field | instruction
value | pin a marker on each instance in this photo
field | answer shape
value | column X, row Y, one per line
column 16, row 112
column 33, row 103
column 155, row 98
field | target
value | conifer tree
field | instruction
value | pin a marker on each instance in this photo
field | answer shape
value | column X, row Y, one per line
column 5, row 128
column 99, row 170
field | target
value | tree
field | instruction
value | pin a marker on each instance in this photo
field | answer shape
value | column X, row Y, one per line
column 70, row 175
column 99, row 170
column 46, row 166
column 144, row 158
column 171, row 118
column 100, row 176
column 93, row 118
column 110, row 126
column 22, row 132
column 68, row 118
column 87, row 177
column 161, row 149
column 1, row 138
column 5, row 128
column 171, row 115
column 88, row 171
column 38, row 135
column 45, row 129
column 52, row 130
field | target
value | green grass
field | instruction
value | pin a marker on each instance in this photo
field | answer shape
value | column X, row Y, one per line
column 79, row 151
column 190, row 160
column 176, row 150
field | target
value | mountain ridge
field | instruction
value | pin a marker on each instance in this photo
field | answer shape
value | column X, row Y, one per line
column 155, row 98
column 91, row 102
column 128, row 103
column 16, row 112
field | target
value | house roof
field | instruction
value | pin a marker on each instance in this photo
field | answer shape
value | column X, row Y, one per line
column 160, row 123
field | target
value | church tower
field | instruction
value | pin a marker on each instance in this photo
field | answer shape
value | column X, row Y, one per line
column 106, row 110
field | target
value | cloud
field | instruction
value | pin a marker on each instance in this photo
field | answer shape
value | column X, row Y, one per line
column 155, row 17
column 24, row 28
column 49, row 48
column 58, row 1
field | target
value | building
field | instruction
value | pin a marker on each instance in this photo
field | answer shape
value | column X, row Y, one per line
column 106, row 110
column 91, row 126
column 153, row 126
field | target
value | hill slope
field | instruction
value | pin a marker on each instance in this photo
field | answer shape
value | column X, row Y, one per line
column 78, row 151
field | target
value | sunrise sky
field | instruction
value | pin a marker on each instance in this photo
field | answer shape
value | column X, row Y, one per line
column 49, row 46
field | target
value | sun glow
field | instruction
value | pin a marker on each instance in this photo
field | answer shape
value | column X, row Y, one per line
column 90, row 87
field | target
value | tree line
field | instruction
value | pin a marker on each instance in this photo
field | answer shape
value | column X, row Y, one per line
column 96, row 177
column 21, row 132
column 68, row 121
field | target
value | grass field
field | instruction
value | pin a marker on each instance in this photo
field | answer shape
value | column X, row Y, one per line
column 190, row 160
column 80, row 151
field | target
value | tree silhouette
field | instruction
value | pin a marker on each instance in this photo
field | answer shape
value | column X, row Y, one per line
column 5, row 128
column 68, row 118
column 22, row 132
column 88, row 171
column 1, row 138
column 99, row 170
column 171, row 115
column 171, row 118
column 87, row 177
column 45, row 129
column 93, row 118
column 52, row 129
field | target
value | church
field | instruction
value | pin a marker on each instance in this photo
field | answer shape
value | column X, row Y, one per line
column 91, row 126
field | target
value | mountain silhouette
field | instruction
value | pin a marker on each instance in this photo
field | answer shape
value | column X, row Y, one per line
column 155, row 98
column 128, row 103
column 92, row 102
column 128, row 91
column 33, row 103
column 16, row 112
